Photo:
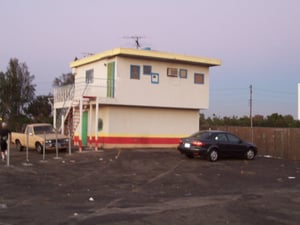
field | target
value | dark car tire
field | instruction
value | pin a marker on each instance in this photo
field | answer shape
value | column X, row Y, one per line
column 19, row 147
column 213, row 155
column 39, row 148
column 250, row 154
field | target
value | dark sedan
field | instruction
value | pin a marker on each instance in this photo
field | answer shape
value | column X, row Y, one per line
column 215, row 144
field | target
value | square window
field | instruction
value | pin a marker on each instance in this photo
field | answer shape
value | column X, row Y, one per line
column 147, row 69
column 183, row 73
column 172, row 72
column 199, row 78
column 89, row 76
column 135, row 72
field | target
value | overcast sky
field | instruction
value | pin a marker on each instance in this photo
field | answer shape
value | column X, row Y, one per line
column 258, row 42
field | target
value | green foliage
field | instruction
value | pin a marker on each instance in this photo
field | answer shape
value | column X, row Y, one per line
column 40, row 109
column 17, row 89
column 273, row 120
column 18, row 104
column 64, row 79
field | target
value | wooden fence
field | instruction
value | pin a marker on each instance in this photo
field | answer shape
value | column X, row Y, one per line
column 275, row 142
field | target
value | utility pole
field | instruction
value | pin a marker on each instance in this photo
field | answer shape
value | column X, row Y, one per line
column 251, row 120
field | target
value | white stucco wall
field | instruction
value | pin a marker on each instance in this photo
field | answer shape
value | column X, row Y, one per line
column 148, row 122
column 169, row 92
column 144, row 122
column 173, row 92
column 98, row 87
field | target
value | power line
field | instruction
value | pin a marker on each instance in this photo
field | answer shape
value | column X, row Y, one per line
column 275, row 91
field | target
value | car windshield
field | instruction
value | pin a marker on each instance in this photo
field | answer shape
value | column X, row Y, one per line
column 43, row 129
column 202, row 135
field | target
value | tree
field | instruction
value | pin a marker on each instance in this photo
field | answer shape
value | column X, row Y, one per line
column 17, row 91
column 273, row 120
column 2, row 107
column 64, row 79
column 276, row 120
column 40, row 109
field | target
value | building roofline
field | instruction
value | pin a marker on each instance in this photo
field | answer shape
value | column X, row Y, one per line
column 142, row 53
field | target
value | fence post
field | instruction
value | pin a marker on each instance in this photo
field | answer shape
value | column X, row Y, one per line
column 56, row 145
column 27, row 143
column 44, row 147
column 8, row 151
column 70, row 147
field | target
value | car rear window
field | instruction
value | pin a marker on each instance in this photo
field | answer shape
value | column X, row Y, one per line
column 43, row 129
column 202, row 135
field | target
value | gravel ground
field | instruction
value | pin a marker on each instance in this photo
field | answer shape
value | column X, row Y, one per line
column 146, row 186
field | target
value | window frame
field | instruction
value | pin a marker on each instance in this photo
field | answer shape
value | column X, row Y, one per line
column 170, row 72
column 131, row 72
column 154, row 78
column 186, row 73
column 196, row 79
column 89, row 76
column 149, row 68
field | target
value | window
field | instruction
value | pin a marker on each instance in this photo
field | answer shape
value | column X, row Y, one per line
column 89, row 76
column 233, row 139
column 199, row 78
column 100, row 124
column 221, row 138
column 134, row 72
column 183, row 73
column 154, row 78
column 172, row 72
column 147, row 70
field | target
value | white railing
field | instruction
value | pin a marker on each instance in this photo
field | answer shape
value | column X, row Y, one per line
column 66, row 96
column 64, row 93
column 75, row 91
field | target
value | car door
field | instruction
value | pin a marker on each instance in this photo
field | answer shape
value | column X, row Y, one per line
column 235, row 146
column 223, row 144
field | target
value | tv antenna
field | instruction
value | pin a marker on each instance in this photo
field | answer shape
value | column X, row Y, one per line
column 136, row 39
column 85, row 54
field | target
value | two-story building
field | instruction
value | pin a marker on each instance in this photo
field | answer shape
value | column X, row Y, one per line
column 133, row 98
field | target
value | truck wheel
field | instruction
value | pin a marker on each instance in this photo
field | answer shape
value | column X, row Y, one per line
column 39, row 148
column 19, row 147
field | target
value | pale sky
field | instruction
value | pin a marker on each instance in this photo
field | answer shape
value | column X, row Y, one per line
column 258, row 42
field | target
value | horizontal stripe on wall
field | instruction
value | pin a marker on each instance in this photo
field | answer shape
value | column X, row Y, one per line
column 133, row 140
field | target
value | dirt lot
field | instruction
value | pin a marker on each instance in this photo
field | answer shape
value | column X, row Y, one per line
column 157, row 187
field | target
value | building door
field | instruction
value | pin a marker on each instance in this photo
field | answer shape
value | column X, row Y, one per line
column 84, row 130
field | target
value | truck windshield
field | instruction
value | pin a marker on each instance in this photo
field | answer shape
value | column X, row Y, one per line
column 43, row 129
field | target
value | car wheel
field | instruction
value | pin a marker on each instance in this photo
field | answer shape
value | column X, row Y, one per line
column 39, row 148
column 19, row 146
column 250, row 154
column 213, row 155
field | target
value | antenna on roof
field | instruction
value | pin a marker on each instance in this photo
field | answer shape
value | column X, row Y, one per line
column 85, row 54
column 137, row 40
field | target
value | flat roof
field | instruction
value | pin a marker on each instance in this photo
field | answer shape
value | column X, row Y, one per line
column 143, row 53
